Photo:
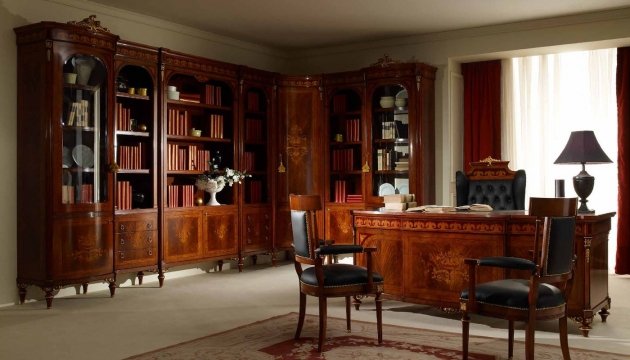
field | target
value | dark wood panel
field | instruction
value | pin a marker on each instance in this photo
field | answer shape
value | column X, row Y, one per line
column 220, row 233
column 256, row 229
column 339, row 224
column 182, row 236
column 82, row 247
column 388, row 258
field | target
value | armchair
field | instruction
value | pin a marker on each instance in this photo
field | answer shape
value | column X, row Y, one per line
column 328, row 280
column 541, row 297
column 491, row 182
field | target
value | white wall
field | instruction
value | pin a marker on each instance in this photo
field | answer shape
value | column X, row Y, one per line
column 443, row 50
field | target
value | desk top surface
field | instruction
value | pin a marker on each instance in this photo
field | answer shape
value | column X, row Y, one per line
column 470, row 214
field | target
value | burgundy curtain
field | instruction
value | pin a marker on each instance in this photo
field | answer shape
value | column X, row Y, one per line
column 623, row 161
column 482, row 111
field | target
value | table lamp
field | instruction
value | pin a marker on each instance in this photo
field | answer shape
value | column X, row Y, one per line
column 583, row 148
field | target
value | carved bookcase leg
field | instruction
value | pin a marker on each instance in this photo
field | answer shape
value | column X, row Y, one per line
column 161, row 278
column 140, row 275
column 50, row 294
column 112, row 287
column 22, row 292
column 603, row 312
column 85, row 287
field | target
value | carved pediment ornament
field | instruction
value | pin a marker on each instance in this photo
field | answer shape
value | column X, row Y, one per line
column 489, row 160
column 385, row 61
column 91, row 24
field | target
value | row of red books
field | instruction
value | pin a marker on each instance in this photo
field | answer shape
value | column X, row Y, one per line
column 212, row 95
column 352, row 130
column 178, row 122
column 123, row 118
column 123, row 195
column 254, row 130
column 253, row 190
column 82, row 194
column 131, row 157
column 216, row 126
column 340, row 191
column 188, row 157
column 253, row 101
column 249, row 161
column 354, row 198
column 342, row 159
column 181, row 195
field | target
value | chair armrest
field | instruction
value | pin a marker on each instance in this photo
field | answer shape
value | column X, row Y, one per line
column 507, row 262
column 338, row 249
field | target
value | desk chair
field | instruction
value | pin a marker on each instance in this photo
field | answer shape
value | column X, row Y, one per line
column 328, row 280
column 541, row 297
column 491, row 182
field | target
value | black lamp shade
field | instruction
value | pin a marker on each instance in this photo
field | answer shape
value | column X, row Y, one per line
column 582, row 148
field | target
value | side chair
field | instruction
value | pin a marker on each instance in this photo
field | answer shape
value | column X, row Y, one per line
column 324, row 280
column 543, row 296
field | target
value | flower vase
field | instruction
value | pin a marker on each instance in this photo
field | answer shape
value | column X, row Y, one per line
column 212, row 187
column 213, row 199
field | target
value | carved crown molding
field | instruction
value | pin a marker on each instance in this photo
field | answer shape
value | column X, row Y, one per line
column 91, row 24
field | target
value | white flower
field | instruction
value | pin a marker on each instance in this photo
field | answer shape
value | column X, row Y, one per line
column 215, row 180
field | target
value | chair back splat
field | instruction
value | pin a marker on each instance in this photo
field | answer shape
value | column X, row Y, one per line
column 543, row 296
column 324, row 280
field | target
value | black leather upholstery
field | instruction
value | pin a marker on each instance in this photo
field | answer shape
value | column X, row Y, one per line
column 560, row 251
column 507, row 262
column 340, row 275
column 300, row 237
column 500, row 194
column 514, row 293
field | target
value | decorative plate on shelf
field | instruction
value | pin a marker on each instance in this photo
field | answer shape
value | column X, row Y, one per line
column 83, row 156
column 386, row 189
column 66, row 158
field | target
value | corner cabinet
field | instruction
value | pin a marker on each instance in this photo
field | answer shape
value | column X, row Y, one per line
column 65, row 127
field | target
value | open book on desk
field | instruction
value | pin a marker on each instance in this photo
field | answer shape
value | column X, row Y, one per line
column 446, row 208
column 474, row 207
column 431, row 208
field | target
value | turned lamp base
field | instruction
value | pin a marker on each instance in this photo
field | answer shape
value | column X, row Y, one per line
column 583, row 184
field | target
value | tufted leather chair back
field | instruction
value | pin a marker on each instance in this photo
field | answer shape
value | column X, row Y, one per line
column 491, row 182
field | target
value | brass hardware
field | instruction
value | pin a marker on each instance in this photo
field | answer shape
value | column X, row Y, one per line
column 366, row 167
column 281, row 167
column 113, row 167
column 91, row 24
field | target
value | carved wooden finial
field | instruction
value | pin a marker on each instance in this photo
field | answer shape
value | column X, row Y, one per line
column 489, row 160
column 385, row 61
column 91, row 24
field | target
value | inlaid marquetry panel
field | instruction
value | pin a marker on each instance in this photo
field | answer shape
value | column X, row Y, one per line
column 220, row 234
column 182, row 236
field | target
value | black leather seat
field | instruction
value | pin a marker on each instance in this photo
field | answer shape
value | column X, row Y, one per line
column 543, row 296
column 491, row 182
column 328, row 280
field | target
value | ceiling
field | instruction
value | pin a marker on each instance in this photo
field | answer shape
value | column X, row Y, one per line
column 307, row 24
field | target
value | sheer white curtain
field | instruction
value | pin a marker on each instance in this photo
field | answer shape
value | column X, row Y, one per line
column 544, row 99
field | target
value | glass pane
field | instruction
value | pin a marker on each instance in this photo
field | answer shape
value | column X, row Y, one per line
column 84, row 140
column 390, row 132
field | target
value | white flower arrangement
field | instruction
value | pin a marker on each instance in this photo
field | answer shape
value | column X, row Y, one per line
column 216, row 180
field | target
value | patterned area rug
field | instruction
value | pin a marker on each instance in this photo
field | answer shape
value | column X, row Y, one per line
column 273, row 339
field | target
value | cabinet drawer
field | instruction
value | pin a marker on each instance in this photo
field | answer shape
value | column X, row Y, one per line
column 136, row 257
column 143, row 224
column 136, row 240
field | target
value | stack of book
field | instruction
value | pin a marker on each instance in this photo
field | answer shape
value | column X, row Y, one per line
column 181, row 195
column 340, row 191
column 342, row 160
column 399, row 202
column 123, row 118
column 352, row 130
column 402, row 164
column 178, row 122
column 354, row 198
column 254, row 188
column 216, row 126
column 212, row 95
column 123, row 195
column 131, row 157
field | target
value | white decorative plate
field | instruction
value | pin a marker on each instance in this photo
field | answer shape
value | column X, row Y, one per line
column 83, row 156
column 386, row 189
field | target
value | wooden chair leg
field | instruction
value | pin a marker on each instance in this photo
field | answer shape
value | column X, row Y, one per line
column 301, row 316
column 379, row 317
column 322, row 322
column 465, row 331
column 529, row 340
column 564, row 342
column 510, row 339
column 348, row 326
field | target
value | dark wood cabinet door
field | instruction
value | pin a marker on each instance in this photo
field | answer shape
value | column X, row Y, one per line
column 82, row 247
column 220, row 227
column 182, row 236
column 339, row 224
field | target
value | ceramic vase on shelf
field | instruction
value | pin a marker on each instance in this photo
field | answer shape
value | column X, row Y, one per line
column 83, row 66
column 212, row 187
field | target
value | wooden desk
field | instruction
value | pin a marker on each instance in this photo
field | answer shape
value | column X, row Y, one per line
column 421, row 255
